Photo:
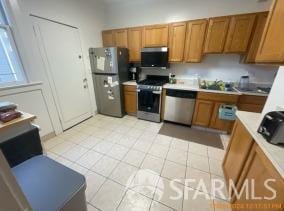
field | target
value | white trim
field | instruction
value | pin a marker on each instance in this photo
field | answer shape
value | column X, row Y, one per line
column 10, row 88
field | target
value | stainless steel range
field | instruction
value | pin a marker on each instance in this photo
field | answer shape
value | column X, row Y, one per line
column 150, row 97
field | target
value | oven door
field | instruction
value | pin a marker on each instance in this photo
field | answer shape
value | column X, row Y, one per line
column 149, row 101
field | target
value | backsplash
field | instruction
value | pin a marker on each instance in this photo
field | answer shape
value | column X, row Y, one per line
column 221, row 67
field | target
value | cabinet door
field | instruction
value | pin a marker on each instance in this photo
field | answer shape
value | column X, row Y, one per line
column 156, row 36
column 120, row 38
column 238, row 150
column 135, row 43
column 217, row 123
column 108, row 40
column 251, row 103
column 195, row 36
column 176, row 41
column 130, row 100
column 257, row 34
column 203, row 112
column 216, row 34
column 259, row 168
column 271, row 48
column 239, row 33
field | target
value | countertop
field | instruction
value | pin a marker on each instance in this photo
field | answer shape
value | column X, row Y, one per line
column 24, row 118
column 194, row 87
column 273, row 152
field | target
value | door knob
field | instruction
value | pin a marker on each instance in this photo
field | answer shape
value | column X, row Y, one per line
column 80, row 57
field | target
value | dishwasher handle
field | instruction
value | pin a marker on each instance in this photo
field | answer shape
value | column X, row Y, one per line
column 181, row 93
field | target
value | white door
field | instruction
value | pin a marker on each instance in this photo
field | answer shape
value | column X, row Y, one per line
column 62, row 55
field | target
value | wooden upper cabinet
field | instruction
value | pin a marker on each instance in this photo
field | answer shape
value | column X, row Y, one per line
column 239, row 33
column 271, row 48
column 108, row 40
column 177, row 41
column 194, row 44
column 261, row 19
column 156, row 35
column 135, row 43
column 120, row 38
column 216, row 34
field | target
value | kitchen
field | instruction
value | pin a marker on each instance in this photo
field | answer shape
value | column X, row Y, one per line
column 234, row 38
column 143, row 105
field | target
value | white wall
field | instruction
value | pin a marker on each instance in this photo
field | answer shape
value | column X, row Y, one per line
column 224, row 67
column 275, row 100
column 31, row 100
column 126, row 13
column 87, row 15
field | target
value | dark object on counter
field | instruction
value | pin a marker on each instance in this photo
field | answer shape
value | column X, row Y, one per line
column 22, row 147
column 172, row 79
column 272, row 127
column 244, row 82
column 7, row 106
column 9, row 116
column 134, row 73
column 229, row 86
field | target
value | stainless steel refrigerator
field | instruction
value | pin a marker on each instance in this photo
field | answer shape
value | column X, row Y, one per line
column 109, row 70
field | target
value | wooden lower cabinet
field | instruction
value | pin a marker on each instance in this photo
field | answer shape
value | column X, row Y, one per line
column 130, row 100
column 251, row 103
column 245, row 163
column 206, row 112
column 203, row 112
column 259, row 169
column 238, row 150
column 217, row 123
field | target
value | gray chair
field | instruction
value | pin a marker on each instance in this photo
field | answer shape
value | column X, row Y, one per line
column 49, row 186
column 32, row 181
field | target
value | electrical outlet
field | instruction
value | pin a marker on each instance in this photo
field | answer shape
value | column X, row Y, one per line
column 280, row 108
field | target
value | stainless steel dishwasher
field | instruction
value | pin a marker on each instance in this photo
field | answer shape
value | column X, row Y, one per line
column 179, row 106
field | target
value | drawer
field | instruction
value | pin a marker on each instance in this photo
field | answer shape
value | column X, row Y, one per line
column 250, row 107
column 218, row 97
column 129, row 88
column 250, row 99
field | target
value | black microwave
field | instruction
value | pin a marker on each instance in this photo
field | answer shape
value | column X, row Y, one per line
column 155, row 58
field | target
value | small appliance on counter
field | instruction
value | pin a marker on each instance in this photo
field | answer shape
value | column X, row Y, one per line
column 134, row 73
column 244, row 83
column 272, row 127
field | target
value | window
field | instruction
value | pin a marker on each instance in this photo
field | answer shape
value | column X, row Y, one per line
column 11, row 70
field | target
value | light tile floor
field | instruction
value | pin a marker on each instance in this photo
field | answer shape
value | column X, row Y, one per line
column 128, row 166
